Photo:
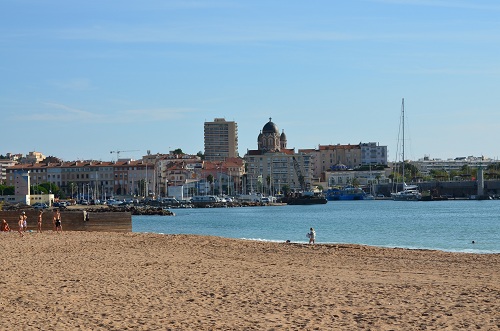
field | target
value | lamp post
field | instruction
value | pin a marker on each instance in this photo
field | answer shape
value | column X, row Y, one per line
column 219, row 170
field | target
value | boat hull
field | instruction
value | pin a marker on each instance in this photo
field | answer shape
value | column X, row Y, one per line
column 406, row 196
column 345, row 194
column 307, row 201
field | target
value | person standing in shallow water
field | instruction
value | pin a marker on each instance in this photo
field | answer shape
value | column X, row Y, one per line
column 312, row 236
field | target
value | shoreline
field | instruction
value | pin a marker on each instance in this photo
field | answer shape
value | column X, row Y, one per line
column 131, row 281
column 482, row 252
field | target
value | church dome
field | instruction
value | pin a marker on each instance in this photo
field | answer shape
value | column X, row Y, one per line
column 270, row 127
column 283, row 136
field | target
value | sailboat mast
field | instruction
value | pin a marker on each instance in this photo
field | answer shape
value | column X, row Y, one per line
column 403, row 127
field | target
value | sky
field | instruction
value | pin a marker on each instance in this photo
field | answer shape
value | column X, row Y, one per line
column 79, row 79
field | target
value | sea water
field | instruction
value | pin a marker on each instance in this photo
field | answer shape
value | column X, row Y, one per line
column 453, row 225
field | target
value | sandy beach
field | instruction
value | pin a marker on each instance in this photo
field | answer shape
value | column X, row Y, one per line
column 131, row 281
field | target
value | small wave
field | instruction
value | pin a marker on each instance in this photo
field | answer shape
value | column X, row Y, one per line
column 268, row 240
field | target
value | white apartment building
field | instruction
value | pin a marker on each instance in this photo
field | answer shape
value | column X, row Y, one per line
column 373, row 154
column 426, row 164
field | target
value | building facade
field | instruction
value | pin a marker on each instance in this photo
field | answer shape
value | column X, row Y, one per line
column 426, row 165
column 373, row 154
column 343, row 157
column 221, row 140
column 4, row 164
column 273, row 166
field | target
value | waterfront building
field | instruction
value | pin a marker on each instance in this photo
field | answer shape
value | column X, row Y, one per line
column 221, row 139
column 177, row 170
column 342, row 157
column 33, row 157
column 88, row 179
column 4, row 164
column 373, row 154
column 351, row 177
column 327, row 157
column 273, row 166
column 227, row 176
column 426, row 164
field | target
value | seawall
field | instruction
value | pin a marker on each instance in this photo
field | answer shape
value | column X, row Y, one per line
column 73, row 220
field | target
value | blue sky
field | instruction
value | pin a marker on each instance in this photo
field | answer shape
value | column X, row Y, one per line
column 82, row 78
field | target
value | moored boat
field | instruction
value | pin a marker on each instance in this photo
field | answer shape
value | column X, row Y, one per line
column 409, row 192
column 345, row 193
column 305, row 198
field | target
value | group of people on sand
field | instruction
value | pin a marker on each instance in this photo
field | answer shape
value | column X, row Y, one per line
column 23, row 223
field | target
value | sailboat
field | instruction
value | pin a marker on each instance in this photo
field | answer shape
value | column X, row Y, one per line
column 409, row 192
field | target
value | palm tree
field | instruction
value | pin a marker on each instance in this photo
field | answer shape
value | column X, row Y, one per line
column 210, row 179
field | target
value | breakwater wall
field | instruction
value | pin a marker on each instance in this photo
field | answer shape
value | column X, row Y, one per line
column 73, row 220
column 454, row 189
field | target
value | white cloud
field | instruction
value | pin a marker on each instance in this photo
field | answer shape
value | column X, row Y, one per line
column 77, row 84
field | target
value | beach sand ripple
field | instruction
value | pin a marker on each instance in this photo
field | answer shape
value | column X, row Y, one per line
column 131, row 281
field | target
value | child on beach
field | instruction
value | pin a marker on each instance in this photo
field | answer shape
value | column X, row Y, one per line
column 312, row 236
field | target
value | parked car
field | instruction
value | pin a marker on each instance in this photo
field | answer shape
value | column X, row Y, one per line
column 40, row 205
column 170, row 201
column 59, row 204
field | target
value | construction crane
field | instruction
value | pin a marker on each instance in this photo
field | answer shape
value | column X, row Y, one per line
column 118, row 153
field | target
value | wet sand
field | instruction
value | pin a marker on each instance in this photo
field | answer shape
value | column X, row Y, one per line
column 131, row 281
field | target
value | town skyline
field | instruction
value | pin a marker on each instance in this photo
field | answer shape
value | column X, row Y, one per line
column 84, row 78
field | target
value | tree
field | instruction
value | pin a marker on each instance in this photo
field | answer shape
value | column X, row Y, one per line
column 286, row 189
column 51, row 188
column 210, row 179
column 141, row 187
column 201, row 155
column 439, row 174
column 72, row 187
column 38, row 189
column 178, row 151
column 7, row 190
column 411, row 171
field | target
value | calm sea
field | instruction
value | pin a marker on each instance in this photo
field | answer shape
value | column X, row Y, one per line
column 442, row 225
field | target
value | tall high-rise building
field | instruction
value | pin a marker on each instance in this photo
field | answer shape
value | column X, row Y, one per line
column 221, row 140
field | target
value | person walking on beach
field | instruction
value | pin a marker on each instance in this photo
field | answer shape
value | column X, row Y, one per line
column 39, row 222
column 57, row 221
column 312, row 236
column 25, row 221
column 21, row 225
